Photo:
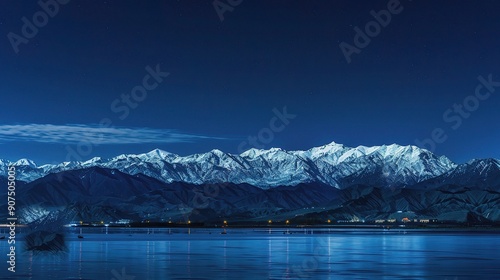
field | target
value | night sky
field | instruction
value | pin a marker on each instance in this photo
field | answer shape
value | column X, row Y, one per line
column 218, row 82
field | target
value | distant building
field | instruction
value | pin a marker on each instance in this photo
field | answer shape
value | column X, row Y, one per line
column 123, row 221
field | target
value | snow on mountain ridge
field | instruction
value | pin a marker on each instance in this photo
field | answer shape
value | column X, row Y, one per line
column 330, row 164
column 158, row 154
column 25, row 162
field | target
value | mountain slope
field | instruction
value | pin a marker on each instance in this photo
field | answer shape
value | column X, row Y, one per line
column 476, row 174
column 445, row 204
column 104, row 194
column 96, row 194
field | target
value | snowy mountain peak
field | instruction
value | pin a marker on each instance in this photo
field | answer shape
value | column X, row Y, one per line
column 126, row 156
column 268, row 154
column 25, row 162
column 93, row 160
column 328, row 149
column 160, row 154
column 217, row 152
column 332, row 146
column 275, row 150
column 333, row 143
column 481, row 165
column 252, row 153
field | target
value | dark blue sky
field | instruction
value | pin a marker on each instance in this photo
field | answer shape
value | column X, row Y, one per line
column 226, row 77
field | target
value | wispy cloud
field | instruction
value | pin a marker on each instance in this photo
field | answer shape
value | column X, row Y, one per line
column 98, row 135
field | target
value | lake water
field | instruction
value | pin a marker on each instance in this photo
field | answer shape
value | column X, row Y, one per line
column 126, row 254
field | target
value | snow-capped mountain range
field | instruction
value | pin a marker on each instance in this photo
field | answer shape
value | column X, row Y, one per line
column 328, row 182
column 332, row 164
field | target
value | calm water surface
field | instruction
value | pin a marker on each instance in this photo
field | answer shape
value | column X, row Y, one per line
column 123, row 254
